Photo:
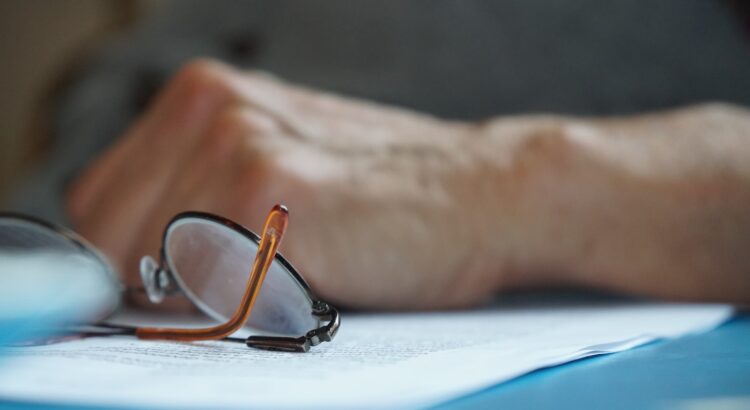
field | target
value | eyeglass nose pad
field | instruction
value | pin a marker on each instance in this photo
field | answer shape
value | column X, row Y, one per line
column 151, row 275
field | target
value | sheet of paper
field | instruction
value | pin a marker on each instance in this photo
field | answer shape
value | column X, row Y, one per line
column 377, row 360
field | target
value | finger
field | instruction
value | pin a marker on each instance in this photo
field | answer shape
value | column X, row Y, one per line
column 151, row 158
column 228, row 151
column 191, row 92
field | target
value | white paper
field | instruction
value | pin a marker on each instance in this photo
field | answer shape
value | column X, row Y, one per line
column 377, row 360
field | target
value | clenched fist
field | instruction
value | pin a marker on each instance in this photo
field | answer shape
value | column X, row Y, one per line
column 394, row 209
column 379, row 216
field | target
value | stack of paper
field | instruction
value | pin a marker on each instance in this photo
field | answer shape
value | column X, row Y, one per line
column 377, row 360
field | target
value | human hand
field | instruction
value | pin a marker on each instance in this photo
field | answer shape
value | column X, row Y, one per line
column 393, row 209
column 381, row 216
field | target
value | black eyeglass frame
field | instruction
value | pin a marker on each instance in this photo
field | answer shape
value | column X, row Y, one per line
column 160, row 281
column 164, row 281
column 78, row 241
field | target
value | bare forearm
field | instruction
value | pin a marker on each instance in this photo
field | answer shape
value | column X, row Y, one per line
column 395, row 209
column 656, row 205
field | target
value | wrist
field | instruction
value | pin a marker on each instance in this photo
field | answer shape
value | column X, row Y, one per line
column 525, row 178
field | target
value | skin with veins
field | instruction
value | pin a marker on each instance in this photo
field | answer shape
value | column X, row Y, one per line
column 391, row 208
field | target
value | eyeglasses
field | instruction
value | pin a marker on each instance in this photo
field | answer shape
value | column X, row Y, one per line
column 225, row 270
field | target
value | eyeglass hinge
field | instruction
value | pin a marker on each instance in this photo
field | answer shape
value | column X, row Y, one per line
column 303, row 343
column 328, row 332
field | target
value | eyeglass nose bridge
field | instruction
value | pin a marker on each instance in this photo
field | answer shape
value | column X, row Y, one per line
column 157, row 281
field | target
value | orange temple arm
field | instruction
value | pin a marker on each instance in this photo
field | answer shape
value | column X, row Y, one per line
column 273, row 232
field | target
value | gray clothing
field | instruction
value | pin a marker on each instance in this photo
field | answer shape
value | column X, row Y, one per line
column 464, row 59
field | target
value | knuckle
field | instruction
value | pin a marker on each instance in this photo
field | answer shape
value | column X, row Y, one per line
column 263, row 173
column 228, row 122
column 201, row 79
column 259, row 165
column 259, row 123
column 239, row 125
column 225, row 134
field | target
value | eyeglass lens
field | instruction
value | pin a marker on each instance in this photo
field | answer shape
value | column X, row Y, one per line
column 22, row 235
column 212, row 263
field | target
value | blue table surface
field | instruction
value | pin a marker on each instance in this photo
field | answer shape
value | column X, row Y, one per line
column 681, row 373
column 675, row 374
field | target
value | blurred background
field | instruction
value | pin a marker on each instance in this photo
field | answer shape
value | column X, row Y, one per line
column 76, row 73
column 41, row 41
